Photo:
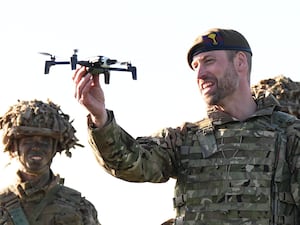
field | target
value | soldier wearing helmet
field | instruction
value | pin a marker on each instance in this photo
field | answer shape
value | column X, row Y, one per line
column 33, row 132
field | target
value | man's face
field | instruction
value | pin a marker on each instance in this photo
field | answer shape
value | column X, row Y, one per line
column 36, row 153
column 216, row 76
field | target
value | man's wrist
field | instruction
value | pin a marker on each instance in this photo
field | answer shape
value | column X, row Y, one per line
column 93, row 123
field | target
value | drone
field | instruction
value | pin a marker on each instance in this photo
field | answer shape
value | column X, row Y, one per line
column 96, row 65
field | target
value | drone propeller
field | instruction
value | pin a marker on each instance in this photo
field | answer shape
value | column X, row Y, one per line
column 48, row 54
column 45, row 53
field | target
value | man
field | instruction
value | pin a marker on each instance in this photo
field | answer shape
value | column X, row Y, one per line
column 30, row 194
column 240, row 165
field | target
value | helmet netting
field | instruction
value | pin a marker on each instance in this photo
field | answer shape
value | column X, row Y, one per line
column 38, row 118
column 286, row 91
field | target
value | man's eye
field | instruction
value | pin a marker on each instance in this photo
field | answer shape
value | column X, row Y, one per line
column 43, row 143
column 28, row 143
column 210, row 60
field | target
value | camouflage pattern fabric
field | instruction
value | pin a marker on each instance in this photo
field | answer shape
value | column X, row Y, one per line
column 227, row 172
column 285, row 90
column 169, row 222
column 52, row 205
column 38, row 118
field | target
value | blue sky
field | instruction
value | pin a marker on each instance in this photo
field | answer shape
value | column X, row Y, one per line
column 154, row 36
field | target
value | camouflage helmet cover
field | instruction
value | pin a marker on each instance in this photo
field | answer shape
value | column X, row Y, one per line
column 30, row 118
column 284, row 89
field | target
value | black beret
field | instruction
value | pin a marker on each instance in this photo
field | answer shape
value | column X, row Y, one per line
column 218, row 39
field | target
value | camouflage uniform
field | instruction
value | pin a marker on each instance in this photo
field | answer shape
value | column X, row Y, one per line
column 228, row 172
column 54, row 204
column 23, row 202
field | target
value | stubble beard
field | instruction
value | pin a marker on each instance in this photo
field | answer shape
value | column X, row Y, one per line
column 226, row 85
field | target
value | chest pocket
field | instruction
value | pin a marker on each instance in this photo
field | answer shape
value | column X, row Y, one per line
column 67, row 219
column 232, row 176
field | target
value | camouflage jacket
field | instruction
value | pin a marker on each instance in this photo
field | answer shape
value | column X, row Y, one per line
column 186, row 152
column 23, row 204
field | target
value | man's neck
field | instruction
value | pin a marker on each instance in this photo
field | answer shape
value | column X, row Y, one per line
column 37, row 180
column 239, row 108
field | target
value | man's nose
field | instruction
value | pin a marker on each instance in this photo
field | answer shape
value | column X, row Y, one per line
column 36, row 146
column 200, row 71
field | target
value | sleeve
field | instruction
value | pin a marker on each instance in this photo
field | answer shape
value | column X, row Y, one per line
column 145, row 159
column 293, row 144
column 89, row 212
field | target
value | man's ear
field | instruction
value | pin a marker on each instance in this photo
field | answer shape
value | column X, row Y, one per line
column 240, row 62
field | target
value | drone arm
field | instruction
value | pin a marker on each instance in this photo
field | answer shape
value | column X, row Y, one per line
column 133, row 71
column 48, row 64
column 73, row 61
column 62, row 62
column 130, row 68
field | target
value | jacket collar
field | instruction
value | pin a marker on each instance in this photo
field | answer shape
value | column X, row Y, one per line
column 266, row 104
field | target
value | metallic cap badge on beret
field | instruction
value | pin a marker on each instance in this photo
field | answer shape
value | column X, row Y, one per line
column 218, row 39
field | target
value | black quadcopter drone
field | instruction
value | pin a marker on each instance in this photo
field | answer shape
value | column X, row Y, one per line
column 96, row 65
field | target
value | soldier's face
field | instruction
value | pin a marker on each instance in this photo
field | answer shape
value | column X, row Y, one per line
column 216, row 76
column 36, row 153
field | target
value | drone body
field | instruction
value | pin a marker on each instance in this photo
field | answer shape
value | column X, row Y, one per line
column 96, row 65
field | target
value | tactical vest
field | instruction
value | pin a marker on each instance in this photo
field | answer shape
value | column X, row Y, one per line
column 236, row 174
column 60, row 206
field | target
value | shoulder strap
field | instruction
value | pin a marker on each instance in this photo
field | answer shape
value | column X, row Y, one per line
column 13, row 206
column 46, row 200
